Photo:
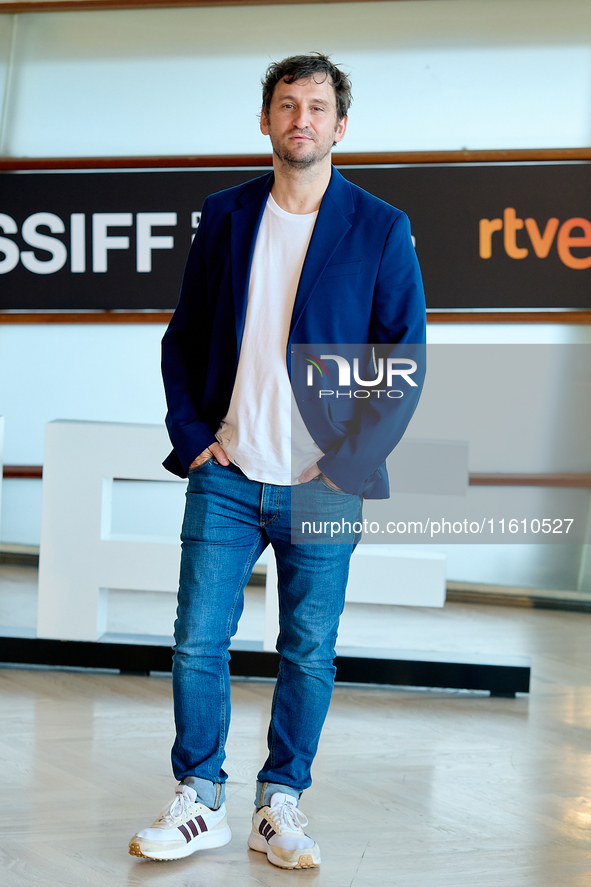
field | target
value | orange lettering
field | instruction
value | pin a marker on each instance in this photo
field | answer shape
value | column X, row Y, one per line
column 541, row 242
column 513, row 224
column 565, row 243
column 487, row 229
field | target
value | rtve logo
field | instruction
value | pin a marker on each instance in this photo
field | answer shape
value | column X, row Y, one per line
column 541, row 241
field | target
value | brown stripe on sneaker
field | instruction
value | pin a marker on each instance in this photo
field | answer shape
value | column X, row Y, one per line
column 193, row 828
column 185, row 833
column 266, row 830
column 201, row 823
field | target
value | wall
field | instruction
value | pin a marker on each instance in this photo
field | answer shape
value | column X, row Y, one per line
column 427, row 74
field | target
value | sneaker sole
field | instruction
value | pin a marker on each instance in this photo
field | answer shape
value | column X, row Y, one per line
column 205, row 841
column 304, row 861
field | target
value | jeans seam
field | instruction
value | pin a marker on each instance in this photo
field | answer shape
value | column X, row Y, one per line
column 273, row 706
column 241, row 585
column 266, row 523
column 239, row 591
column 222, row 742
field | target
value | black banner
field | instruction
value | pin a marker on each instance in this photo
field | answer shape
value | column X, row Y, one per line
column 496, row 236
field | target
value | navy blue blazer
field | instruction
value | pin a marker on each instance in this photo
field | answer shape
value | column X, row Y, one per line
column 360, row 283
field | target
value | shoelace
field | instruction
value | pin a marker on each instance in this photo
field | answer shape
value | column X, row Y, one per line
column 181, row 806
column 288, row 817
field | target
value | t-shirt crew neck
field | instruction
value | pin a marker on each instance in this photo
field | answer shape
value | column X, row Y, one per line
column 256, row 432
column 284, row 214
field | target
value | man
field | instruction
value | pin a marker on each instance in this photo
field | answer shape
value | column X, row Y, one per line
column 298, row 256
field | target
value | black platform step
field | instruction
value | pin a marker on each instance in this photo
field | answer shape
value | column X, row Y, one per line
column 500, row 675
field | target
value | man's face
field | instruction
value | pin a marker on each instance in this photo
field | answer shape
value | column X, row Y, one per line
column 302, row 121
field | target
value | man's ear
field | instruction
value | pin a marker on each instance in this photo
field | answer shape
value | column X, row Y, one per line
column 264, row 123
column 340, row 130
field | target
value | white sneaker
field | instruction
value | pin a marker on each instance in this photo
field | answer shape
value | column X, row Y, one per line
column 182, row 827
column 277, row 831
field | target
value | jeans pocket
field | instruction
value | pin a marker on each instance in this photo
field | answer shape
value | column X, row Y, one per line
column 324, row 481
column 199, row 467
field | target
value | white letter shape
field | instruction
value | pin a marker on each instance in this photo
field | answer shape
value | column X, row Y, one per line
column 146, row 241
column 343, row 365
column 58, row 251
column 101, row 242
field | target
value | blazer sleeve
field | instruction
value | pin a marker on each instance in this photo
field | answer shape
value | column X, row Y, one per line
column 398, row 329
column 185, row 356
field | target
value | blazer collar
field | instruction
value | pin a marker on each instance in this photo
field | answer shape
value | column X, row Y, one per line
column 331, row 226
column 245, row 223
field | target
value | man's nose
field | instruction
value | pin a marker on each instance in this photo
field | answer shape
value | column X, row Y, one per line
column 301, row 119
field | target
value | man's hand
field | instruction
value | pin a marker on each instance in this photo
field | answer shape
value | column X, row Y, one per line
column 213, row 449
column 312, row 472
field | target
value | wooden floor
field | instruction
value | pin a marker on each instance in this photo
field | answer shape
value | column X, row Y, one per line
column 411, row 789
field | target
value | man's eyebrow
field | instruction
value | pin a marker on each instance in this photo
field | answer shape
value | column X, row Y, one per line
column 292, row 98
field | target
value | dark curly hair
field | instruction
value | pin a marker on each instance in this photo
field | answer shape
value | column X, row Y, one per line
column 300, row 67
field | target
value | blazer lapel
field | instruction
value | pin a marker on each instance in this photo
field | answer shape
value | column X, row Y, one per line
column 330, row 228
column 245, row 223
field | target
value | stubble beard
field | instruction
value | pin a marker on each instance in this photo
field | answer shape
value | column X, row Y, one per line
column 288, row 158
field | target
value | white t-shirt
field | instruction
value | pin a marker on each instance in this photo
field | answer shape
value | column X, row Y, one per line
column 256, row 432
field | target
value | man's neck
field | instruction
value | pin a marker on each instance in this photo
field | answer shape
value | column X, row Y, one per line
column 300, row 191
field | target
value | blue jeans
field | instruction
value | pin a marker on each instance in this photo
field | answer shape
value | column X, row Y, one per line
column 229, row 520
